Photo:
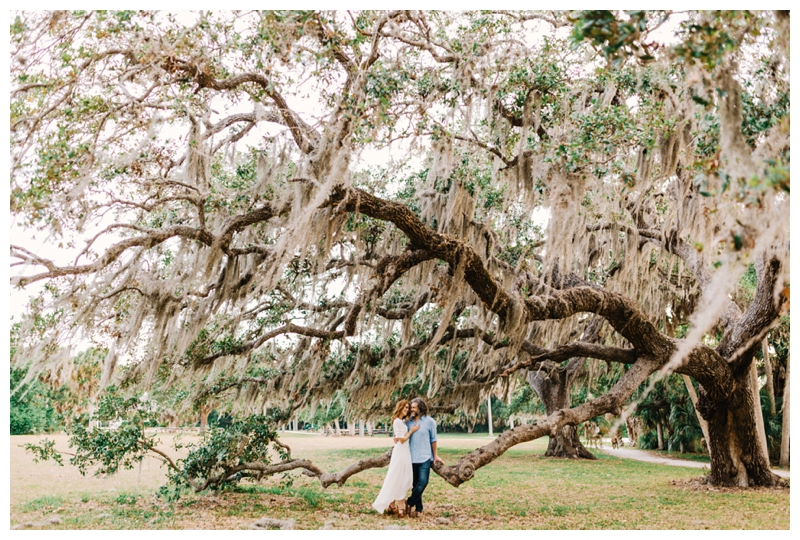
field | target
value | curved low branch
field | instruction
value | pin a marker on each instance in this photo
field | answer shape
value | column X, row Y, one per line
column 612, row 402
column 262, row 468
column 339, row 478
column 165, row 458
column 326, row 479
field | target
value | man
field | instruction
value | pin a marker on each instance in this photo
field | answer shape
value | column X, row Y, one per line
column 422, row 445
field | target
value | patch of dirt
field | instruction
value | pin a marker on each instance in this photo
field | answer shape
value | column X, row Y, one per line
column 702, row 484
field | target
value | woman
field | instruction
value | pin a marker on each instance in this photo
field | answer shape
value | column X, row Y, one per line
column 399, row 478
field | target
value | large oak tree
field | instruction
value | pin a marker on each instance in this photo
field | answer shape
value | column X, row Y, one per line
column 287, row 207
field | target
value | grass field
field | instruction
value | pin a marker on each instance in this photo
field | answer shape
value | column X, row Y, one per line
column 521, row 490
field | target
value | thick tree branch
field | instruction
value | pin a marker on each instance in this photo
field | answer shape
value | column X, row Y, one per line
column 339, row 478
column 742, row 338
column 621, row 313
column 326, row 478
column 455, row 252
column 575, row 349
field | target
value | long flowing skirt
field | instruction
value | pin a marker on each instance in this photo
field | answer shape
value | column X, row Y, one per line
column 398, row 480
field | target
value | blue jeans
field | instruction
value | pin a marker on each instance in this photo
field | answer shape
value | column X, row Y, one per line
column 422, row 472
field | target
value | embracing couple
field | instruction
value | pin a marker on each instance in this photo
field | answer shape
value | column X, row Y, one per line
column 410, row 466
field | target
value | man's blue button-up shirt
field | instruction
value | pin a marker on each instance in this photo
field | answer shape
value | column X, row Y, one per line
column 420, row 441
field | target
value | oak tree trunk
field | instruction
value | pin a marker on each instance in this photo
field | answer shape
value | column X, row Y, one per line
column 737, row 458
column 553, row 389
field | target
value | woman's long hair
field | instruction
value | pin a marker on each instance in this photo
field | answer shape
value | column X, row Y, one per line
column 398, row 410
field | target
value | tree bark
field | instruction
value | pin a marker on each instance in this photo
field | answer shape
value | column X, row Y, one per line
column 757, row 412
column 693, row 396
column 489, row 415
column 734, row 442
column 660, row 435
column 784, row 459
column 204, row 412
column 553, row 389
column 726, row 397
column 768, row 371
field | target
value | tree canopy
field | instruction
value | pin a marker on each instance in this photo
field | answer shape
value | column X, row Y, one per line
column 290, row 207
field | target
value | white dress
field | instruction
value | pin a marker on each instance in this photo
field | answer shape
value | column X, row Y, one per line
column 400, row 476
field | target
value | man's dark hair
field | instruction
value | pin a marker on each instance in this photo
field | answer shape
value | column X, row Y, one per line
column 423, row 409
